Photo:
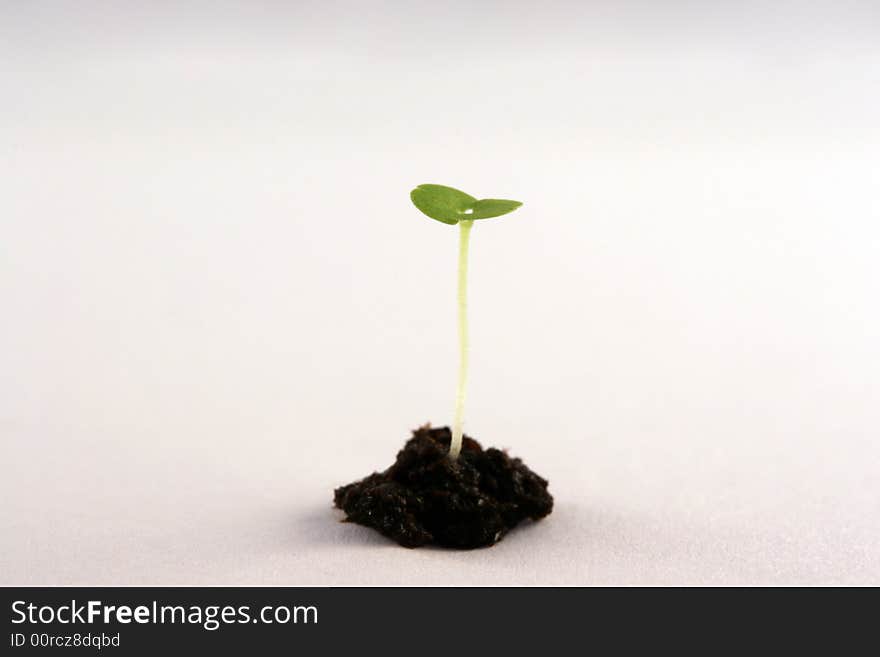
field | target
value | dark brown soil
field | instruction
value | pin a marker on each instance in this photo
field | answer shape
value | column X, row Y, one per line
column 427, row 498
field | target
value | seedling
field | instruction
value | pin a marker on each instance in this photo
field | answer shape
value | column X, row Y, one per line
column 451, row 206
column 439, row 490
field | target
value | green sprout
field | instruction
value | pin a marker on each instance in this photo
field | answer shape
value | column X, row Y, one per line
column 451, row 206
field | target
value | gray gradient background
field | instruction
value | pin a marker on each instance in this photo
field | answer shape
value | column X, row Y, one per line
column 218, row 303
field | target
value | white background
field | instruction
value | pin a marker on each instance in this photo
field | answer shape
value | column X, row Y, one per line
column 218, row 303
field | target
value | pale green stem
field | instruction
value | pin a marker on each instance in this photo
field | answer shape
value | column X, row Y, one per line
column 463, row 242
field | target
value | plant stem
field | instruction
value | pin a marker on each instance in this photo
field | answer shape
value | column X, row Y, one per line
column 463, row 243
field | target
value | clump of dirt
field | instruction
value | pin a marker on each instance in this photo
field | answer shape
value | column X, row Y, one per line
column 427, row 498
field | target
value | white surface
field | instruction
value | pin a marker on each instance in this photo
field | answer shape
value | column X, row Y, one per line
column 218, row 303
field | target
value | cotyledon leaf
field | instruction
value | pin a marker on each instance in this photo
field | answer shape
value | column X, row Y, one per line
column 442, row 203
column 492, row 207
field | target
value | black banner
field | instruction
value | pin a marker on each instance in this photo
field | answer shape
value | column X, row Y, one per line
column 134, row 621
